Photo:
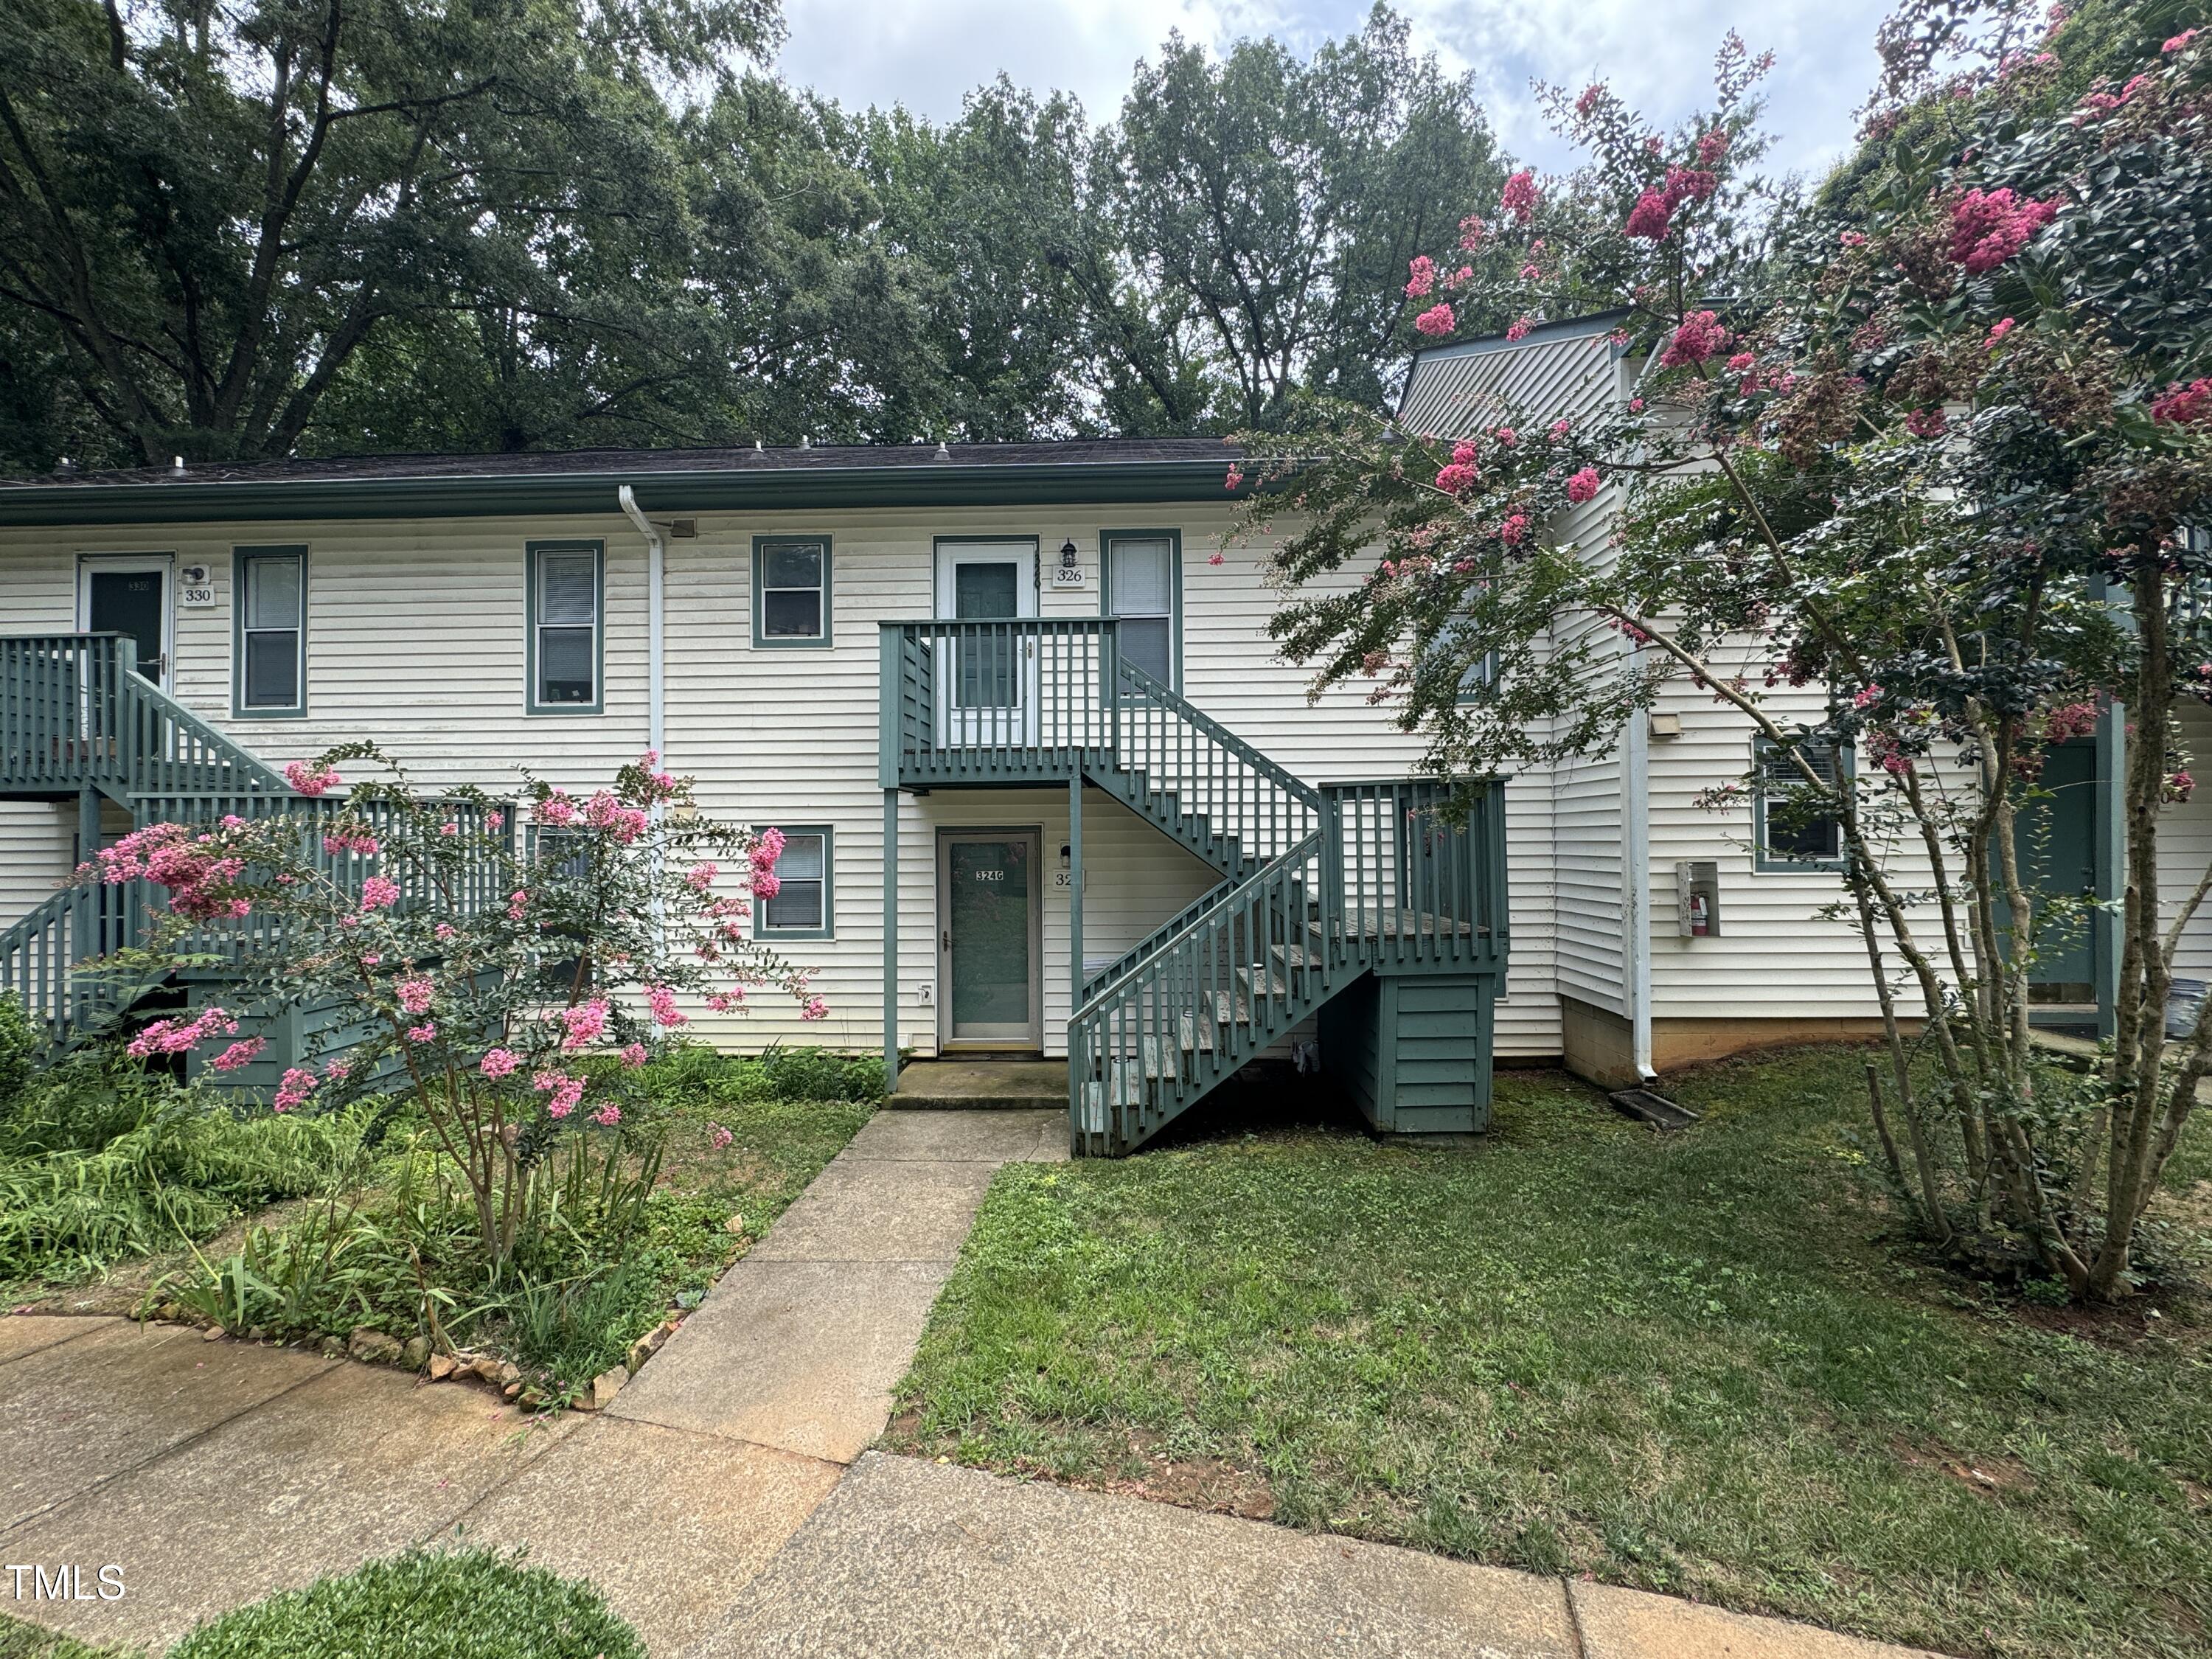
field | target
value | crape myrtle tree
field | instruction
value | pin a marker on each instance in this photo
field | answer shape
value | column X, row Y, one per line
column 1912, row 479
column 508, row 996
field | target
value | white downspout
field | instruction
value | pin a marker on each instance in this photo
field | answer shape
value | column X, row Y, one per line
column 656, row 735
column 1636, row 882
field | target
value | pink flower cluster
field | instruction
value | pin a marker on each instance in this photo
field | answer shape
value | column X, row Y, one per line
column 586, row 1023
column 2071, row 719
column 242, row 1053
column 1998, row 329
column 379, row 893
column 515, row 902
column 192, row 867
column 2183, row 405
column 1520, row 198
column 177, row 1037
column 1436, row 321
column 562, row 1091
column 701, row 876
column 1697, row 338
column 426, row 1032
column 727, row 1002
column 1513, row 530
column 415, row 995
column 297, row 1084
column 719, row 1137
column 1988, row 227
column 816, row 1008
column 352, row 840
column 632, row 1055
column 1422, row 278
column 665, row 1011
column 311, row 777
column 1519, row 327
column 558, row 810
column 1583, row 486
column 1232, row 479
column 766, row 851
column 608, row 1116
column 606, row 811
column 1926, row 422
column 498, row 1063
column 1654, row 209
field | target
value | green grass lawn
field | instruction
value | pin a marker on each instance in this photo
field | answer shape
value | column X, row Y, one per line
column 1696, row 1364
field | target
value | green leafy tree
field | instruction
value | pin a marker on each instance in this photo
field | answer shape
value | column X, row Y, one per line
column 207, row 209
column 1917, row 482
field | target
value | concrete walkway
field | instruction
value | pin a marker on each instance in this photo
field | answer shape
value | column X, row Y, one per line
column 726, row 1505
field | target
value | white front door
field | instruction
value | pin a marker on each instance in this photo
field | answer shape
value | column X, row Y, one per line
column 987, row 672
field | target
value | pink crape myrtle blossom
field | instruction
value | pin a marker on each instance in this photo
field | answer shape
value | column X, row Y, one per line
column 665, row 1011
column 1520, row 197
column 1583, row 486
column 608, row 1116
column 1651, row 217
column 1926, row 422
column 244, row 1052
column 1998, row 329
column 497, row 1063
column 1700, row 336
column 816, row 1008
column 1519, row 327
column 1422, row 277
column 2183, row 405
column 177, row 1037
column 416, row 994
column 1436, row 321
column 1988, row 227
column 587, row 1023
column 293, row 1090
column 1515, row 528
column 632, row 1055
column 311, row 778
column 719, row 1138
column 562, row 1091
column 379, row 893
column 701, row 876
column 426, row 1032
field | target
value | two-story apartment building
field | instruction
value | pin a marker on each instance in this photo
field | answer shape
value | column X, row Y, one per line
column 1046, row 786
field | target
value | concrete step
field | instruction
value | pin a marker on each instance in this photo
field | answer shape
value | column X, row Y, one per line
column 961, row 1083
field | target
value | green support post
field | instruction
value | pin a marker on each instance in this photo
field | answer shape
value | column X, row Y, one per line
column 890, row 941
column 2110, row 841
column 1074, row 893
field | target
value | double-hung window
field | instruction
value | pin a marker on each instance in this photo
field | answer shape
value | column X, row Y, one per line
column 269, row 654
column 1791, row 827
column 802, row 907
column 1142, row 586
column 567, row 592
column 791, row 590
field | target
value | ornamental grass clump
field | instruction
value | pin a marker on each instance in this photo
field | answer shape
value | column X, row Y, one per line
column 507, row 990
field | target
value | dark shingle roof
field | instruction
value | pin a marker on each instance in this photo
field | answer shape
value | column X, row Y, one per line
column 1103, row 469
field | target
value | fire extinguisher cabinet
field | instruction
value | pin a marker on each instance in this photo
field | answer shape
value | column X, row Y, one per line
column 1696, row 898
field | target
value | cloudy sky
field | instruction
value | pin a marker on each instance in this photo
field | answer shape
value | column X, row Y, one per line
column 924, row 53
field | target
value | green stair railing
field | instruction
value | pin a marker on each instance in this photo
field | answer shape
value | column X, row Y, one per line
column 49, row 958
column 75, row 713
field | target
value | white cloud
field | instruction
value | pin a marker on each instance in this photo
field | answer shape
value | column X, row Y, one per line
column 1658, row 53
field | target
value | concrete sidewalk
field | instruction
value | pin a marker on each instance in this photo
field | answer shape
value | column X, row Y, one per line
column 714, row 1503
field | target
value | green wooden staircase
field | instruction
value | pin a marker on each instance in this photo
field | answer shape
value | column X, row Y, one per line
column 79, row 723
column 1325, row 889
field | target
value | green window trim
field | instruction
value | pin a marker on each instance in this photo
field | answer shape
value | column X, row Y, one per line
column 243, row 561
column 766, row 932
column 535, row 554
column 1107, row 539
column 1763, row 756
column 816, row 641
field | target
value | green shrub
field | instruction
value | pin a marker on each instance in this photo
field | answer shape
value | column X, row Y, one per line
column 467, row 1604
column 695, row 1072
column 100, row 1159
column 18, row 1043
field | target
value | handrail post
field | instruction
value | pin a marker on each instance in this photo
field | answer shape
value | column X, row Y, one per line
column 1109, row 655
column 889, row 666
column 1332, row 871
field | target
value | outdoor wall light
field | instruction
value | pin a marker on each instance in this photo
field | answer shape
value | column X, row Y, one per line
column 1067, row 555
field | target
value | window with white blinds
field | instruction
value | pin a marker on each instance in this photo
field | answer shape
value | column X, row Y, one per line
column 271, row 596
column 1142, row 579
column 567, row 593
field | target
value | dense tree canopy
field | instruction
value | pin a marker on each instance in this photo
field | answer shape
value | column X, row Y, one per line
column 239, row 228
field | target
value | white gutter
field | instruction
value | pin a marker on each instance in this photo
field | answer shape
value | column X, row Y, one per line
column 655, row 581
